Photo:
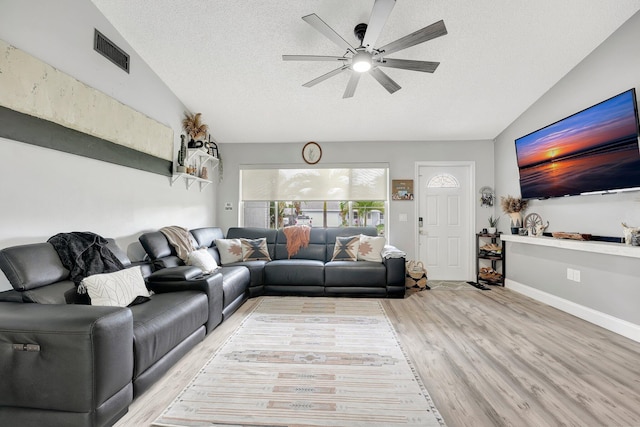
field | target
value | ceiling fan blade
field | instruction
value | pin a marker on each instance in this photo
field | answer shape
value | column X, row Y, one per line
column 328, row 32
column 384, row 80
column 379, row 15
column 408, row 64
column 326, row 76
column 427, row 33
column 351, row 86
column 313, row 58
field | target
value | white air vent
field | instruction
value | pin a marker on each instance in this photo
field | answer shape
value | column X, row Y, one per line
column 109, row 50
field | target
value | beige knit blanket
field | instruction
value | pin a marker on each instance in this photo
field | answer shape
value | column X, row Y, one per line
column 180, row 239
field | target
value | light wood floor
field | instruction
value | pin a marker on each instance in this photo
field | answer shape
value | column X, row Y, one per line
column 488, row 358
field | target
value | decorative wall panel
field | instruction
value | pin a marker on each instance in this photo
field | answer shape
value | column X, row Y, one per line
column 40, row 91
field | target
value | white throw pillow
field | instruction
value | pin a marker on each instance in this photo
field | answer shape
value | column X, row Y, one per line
column 370, row 248
column 230, row 250
column 203, row 260
column 118, row 289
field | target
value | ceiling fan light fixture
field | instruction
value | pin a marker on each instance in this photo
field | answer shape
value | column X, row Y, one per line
column 361, row 62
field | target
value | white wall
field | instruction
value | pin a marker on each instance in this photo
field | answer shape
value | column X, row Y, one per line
column 611, row 68
column 401, row 157
column 608, row 283
column 44, row 191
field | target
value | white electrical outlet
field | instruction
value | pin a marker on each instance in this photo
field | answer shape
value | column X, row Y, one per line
column 573, row 275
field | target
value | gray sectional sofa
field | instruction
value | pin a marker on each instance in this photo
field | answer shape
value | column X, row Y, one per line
column 310, row 272
column 68, row 364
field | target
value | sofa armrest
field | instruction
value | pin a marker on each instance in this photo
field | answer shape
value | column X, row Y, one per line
column 191, row 278
column 395, row 261
column 390, row 251
column 395, row 271
column 65, row 359
column 175, row 274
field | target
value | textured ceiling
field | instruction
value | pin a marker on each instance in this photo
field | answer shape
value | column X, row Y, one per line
column 224, row 58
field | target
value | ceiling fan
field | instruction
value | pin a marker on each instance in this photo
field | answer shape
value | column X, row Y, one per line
column 366, row 57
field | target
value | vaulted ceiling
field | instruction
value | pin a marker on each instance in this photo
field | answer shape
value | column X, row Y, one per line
column 224, row 58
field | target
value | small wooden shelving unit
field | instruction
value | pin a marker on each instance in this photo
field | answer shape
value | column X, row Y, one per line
column 496, row 258
column 201, row 158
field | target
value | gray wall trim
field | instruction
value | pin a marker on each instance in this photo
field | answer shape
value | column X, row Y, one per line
column 33, row 130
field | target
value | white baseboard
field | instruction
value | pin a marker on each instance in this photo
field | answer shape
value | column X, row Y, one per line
column 619, row 326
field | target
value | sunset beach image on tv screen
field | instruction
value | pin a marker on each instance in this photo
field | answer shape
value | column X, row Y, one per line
column 591, row 151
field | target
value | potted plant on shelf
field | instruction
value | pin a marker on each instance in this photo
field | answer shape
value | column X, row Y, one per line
column 193, row 126
column 514, row 206
column 493, row 224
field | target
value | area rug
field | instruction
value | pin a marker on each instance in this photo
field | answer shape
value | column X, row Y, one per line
column 299, row 361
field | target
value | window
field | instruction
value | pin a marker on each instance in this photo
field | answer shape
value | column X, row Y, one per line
column 276, row 198
column 443, row 180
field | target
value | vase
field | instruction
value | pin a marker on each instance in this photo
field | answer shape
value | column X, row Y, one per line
column 516, row 222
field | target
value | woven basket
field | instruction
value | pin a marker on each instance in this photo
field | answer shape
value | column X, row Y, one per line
column 416, row 276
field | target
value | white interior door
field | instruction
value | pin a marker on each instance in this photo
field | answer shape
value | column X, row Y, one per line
column 446, row 210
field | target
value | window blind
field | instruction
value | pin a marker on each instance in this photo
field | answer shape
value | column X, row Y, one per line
column 314, row 184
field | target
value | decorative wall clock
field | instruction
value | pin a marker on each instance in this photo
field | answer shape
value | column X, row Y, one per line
column 311, row 153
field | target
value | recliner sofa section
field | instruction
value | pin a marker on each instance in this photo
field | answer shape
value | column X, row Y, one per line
column 69, row 364
column 234, row 279
column 312, row 272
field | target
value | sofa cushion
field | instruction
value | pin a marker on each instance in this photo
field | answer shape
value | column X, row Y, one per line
column 17, row 263
column 62, row 292
column 206, row 236
column 370, row 248
column 256, row 271
column 316, row 250
column 255, row 250
column 230, row 250
column 156, row 245
column 298, row 272
column 362, row 273
column 164, row 322
column 118, row 252
column 235, row 282
column 203, row 260
column 117, row 289
column 346, row 248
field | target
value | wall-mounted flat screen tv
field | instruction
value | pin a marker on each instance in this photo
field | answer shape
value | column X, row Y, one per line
column 593, row 151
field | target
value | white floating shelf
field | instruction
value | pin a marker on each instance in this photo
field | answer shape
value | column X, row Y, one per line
column 607, row 248
column 203, row 157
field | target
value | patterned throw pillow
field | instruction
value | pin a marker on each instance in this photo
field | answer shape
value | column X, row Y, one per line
column 203, row 260
column 255, row 250
column 117, row 289
column 370, row 248
column 230, row 250
column 346, row 249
